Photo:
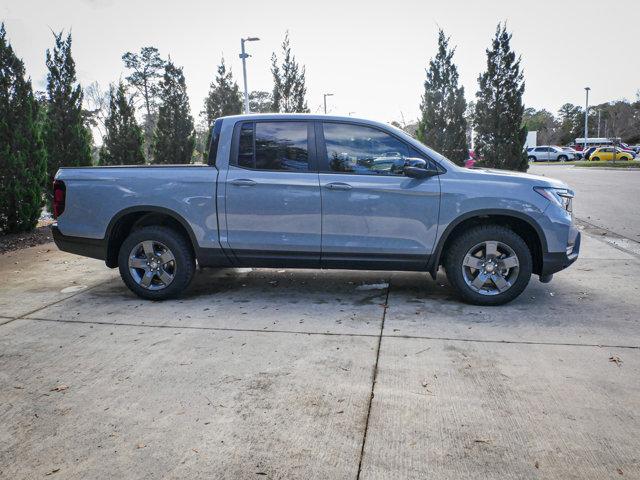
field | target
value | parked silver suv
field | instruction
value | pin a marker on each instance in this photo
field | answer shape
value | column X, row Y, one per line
column 549, row 153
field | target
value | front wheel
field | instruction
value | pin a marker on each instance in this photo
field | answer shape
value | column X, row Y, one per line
column 532, row 158
column 594, row 159
column 563, row 158
column 156, row 262
column 488, row 265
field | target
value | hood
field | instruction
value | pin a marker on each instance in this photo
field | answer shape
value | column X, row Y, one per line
column 514, row 177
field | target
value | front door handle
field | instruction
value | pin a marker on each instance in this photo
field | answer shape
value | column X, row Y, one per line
column 338, row 186
column 243, row 182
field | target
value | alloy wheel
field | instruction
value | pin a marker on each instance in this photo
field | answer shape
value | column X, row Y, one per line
column 152, row 265
column 490, row 267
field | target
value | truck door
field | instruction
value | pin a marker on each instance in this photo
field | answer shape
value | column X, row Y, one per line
column 272, row 195
column 372, row 214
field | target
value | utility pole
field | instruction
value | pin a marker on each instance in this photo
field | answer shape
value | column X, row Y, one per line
column 586, row 118
column 243, row 55
column 599, row 112
column 325, row 101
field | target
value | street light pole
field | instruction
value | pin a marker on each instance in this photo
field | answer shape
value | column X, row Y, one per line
column 325, row 101
column 586, row 118
column 243, row 55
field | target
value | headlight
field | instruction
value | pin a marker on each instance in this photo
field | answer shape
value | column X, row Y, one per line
column 560, row 196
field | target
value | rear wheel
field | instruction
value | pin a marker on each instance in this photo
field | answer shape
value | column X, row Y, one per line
column 563, row 158
column 488, row 265
column 532, row 158
column 156, row 262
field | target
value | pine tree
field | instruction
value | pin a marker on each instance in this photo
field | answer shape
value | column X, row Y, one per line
column 146, row 72
column 224, row 97
column 123, row 142
column 67, row 139
column 289, row 87
column 443, row 125
column 174, row 138
column 23, row 167
column 500, row 135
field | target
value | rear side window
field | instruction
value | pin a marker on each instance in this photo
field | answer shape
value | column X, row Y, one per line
column 274, row 146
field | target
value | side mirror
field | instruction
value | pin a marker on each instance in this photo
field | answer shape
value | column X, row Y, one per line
column 418, row 172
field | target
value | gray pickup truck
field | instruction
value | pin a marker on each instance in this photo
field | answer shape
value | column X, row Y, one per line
column 311, row 191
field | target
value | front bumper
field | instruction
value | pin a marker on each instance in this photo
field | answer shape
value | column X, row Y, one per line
column 555, row 261
column 87, row 247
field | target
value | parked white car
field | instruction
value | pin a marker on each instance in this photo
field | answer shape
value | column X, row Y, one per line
column 549, row 153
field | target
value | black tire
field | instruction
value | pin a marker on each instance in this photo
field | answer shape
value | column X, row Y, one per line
column 532, row 158
column 563, row 158
column 183, row 266
column 458, row 249
column 594, row 159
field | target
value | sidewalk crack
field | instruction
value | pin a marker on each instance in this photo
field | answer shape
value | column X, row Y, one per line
column 374, row 380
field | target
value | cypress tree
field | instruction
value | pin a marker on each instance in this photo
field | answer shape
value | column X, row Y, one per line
column 224, row 97
column 500, row 134
column 443, row 125
column 123, row 142
column 289, row 87
column 67, row 139
column 22, row 155
column 174, row 138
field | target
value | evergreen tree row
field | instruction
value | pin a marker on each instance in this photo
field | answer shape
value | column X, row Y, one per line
column 41, row 135
column 496, row 116
column 23, row 169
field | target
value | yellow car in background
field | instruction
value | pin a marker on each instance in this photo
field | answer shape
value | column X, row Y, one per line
column 606, row 154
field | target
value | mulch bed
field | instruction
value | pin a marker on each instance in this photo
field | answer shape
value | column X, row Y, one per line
column 16, row 241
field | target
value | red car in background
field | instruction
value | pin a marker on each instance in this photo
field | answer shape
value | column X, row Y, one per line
column 471, row 161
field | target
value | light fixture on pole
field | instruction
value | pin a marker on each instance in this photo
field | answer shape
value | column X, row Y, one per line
column 586, row 118
column 325, row 101
column 243, row 55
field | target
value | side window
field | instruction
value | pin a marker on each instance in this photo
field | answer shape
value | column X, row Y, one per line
column 367, row 151
column 274, row 146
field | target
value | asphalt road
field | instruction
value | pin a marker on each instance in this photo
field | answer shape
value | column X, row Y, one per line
column 609, row 199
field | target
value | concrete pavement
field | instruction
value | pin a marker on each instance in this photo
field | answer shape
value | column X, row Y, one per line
column 305, row 374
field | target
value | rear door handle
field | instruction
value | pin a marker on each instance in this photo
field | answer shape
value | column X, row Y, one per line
column 338, row 186
column 243, row 182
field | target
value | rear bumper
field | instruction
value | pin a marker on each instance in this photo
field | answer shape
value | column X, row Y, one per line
column 87, row 247
column 556, row 261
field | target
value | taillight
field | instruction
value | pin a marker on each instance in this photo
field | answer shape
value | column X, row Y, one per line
column 59, row 194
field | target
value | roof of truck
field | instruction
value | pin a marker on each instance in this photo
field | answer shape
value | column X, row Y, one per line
column 296, row 116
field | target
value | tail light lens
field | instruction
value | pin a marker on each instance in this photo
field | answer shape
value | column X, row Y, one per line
column 59, row 195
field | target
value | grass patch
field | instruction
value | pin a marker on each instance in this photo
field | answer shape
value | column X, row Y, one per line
column 576, row 162
column 610, row 164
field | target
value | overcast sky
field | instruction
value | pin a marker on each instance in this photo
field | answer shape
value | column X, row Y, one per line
column 370, row 54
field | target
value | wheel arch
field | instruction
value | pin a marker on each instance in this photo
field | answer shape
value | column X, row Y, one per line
column 522, row 224
column 131, row 218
